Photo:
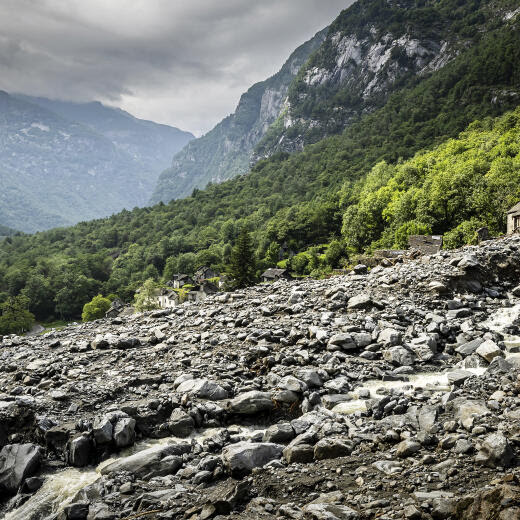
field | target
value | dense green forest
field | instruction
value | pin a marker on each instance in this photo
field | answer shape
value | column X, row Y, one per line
column 341, row 196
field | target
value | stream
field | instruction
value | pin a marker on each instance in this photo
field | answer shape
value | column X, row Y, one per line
column 59, row 489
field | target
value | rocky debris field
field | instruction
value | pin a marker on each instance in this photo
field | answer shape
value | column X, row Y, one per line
column 389, row 393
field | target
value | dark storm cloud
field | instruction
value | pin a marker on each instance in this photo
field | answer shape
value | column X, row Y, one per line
column 180, row 62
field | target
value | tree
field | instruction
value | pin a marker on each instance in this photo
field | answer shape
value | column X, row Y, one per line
column 15, row 317
column 145, row 297
column 242, row 267
column 95, row 308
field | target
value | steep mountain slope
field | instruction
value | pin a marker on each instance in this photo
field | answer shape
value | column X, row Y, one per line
column 372, row 49
column 149, row 143
column 56, row 172
column 305, row 199
column 225, row 151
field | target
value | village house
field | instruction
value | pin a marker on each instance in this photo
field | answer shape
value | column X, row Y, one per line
column 202, row 291
column 180, row 280
column 272, row 274
column 513, row 219
column 166, row 298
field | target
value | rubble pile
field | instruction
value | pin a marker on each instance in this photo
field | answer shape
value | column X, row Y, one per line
column 386, row 393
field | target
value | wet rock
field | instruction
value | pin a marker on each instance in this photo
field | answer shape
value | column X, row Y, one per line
column 18, row 462
column 124, row 432
column 80, row 451
column 152, row 462
column 77, row 511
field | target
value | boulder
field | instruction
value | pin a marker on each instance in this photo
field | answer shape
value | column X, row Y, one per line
column 360, row 301
column 399, row 356
column 242, row 457
column 489, row 350
column 407, row 448
column 124, row 432
column 466, row 410
column 152, row 462
column 17, row 462
column 331, row 448
column 180, row 424
column 495, row 451
column 103, row 430
column 330, row 512
column 250, row 403
column 79, row 451
column 203, row 388
column 341, row 341
column 279, row 433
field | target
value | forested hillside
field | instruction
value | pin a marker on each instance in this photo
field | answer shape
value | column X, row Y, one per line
column 337, row 191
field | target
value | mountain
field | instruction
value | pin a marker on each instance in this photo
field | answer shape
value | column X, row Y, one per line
column 7, row 232
column 57, row 171
column 226, row 150
column 372, row 49
column 401, row 169
column 149, row 143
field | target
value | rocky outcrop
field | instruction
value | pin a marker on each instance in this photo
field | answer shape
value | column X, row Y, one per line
column 226, row 150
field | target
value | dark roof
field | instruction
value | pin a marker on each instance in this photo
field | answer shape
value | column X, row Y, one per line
column 273, row 273
column 515, row 208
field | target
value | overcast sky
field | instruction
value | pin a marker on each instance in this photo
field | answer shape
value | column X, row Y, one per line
column 180, row 62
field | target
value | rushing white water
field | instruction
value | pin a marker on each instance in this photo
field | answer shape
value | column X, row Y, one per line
column 59, row 489
column 56, row 493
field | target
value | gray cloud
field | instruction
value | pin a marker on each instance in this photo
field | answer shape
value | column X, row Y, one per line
column 181, row 62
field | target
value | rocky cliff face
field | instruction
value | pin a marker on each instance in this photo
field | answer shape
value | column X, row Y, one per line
column 56, row 171
column 225, row 151
column 372, row 49
column 384, row 394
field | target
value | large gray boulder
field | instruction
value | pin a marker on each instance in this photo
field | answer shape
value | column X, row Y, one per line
column 399, row 356
column 153, row 462
column 202, row 388
column 124, row 432
column 251, row 402
column 17, row 462
column 103, row 430
column 180, row 424
column 79, row 451
column 242, row 457
column 495, row 451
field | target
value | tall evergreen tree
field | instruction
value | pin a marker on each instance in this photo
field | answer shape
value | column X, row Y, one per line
column 243, row 265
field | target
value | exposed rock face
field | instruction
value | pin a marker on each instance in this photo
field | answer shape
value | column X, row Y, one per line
column 226, row 150
column 308, row 410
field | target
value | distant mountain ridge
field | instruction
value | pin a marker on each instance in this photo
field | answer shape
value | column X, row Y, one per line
column 152, row 144
column 226, row 150
column 56, row 170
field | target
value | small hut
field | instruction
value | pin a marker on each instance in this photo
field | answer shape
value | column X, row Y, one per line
column 513, row 219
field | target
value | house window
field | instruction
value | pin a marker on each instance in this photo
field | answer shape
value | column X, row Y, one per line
column 516, row 223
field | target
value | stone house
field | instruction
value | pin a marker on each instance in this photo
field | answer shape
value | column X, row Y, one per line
column 180, row 280
column 272, row 274
column 200, row 292
column 513, row 219
column 166, row 298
